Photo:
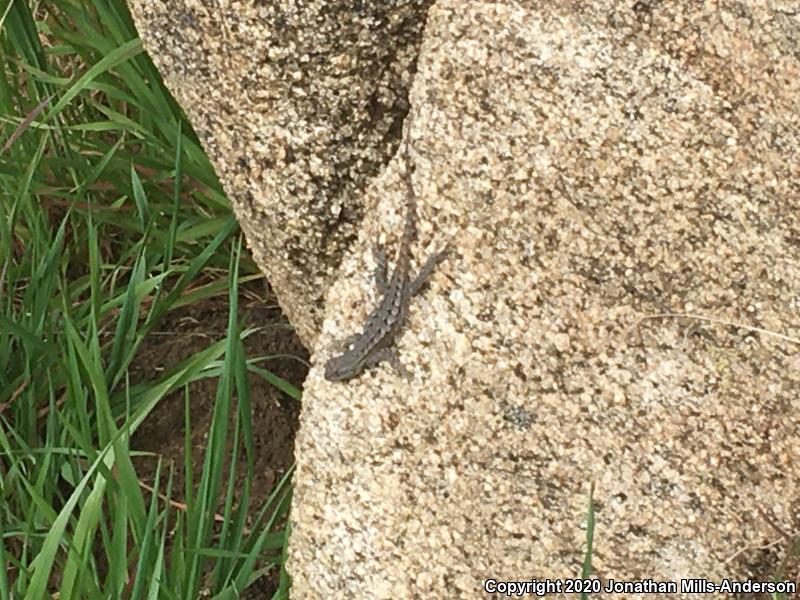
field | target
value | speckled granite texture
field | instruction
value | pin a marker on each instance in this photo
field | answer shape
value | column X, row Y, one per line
column 601, row 169
column 299, row 104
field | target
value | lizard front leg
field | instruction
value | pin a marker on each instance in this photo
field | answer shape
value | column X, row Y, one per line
column 381, row 282
column 390, row 356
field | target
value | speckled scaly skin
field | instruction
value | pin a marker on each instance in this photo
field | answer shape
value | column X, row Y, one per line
column 374, row 343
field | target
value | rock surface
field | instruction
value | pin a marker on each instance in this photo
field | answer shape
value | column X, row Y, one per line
column 298, row 105
column 600, row 174
column 619, row 183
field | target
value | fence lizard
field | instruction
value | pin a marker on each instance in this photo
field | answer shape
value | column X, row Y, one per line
column 374, row 344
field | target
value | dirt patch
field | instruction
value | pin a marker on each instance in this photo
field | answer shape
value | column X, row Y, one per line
column 187, row 331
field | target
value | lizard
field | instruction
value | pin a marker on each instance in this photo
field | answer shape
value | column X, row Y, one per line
column 374, row 343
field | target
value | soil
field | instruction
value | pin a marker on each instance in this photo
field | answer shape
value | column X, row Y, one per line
column 189, row 330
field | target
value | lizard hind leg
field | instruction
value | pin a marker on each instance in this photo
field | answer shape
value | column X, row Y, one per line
column 434, row 259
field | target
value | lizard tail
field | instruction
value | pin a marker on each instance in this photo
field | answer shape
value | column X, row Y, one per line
column 410, row 225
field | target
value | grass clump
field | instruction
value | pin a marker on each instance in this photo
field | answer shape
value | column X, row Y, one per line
column 110, row 217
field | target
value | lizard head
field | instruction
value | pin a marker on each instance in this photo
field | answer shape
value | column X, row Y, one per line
column 342, row 367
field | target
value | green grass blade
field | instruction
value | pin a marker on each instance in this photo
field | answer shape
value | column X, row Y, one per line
column 586, row 571
column 117, row 56
column 44, row 561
